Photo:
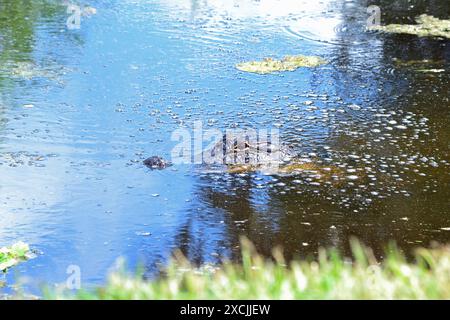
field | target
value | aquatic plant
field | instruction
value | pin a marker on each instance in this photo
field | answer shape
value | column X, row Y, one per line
column 27, row 70
column 330, row 276
column 10, row 256
column 427, row 26
column 288, row 63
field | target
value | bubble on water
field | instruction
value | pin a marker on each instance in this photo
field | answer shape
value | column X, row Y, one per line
column 354, row 107
column 143, row 233
column 434, row 164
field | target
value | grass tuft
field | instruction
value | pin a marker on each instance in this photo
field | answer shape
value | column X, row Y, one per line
column 329, row 277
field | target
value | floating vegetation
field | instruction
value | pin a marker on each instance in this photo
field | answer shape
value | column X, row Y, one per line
column 427, row 26
column 288, row 63
column 25, row 70
column 28, row 71
column 10, row 256
column 23, row 158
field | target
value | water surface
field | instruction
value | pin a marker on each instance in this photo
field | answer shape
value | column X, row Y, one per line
column 80, row 110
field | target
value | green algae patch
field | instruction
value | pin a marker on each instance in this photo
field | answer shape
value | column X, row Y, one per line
column 288, row 63
column 29, row 71
column 427, row 26
column 13, row 255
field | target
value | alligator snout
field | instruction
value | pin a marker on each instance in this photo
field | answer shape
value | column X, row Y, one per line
column 157, row 162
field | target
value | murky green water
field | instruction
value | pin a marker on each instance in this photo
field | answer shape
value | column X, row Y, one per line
column 80, row 110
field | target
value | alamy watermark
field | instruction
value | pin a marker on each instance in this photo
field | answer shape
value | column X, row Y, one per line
column 73, row 281
column 374, row 19
column 74, row 20
column 76, row 13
